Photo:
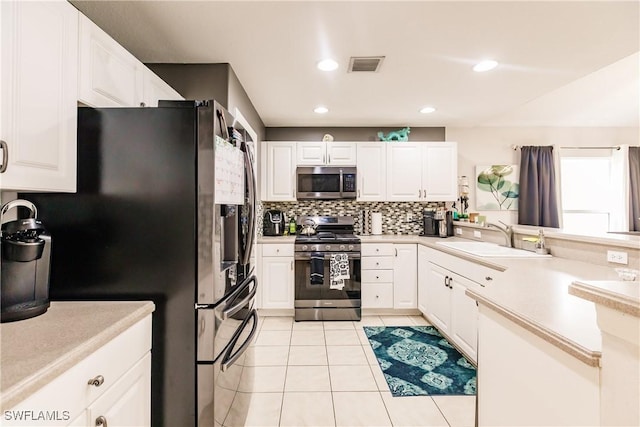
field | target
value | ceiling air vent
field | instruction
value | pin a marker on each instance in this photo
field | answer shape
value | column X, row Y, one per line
column 365, row 63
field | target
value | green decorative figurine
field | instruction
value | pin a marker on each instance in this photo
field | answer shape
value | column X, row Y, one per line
column 395, row 135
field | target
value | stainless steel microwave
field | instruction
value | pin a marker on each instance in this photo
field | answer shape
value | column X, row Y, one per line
column 325, row 182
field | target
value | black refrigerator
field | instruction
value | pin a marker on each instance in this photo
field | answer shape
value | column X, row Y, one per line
column 165, row 211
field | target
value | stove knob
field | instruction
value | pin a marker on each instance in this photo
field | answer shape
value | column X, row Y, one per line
column 304, row 247
column 327, row 248
column 342, row 247
column 314, row 248
column 350, row 247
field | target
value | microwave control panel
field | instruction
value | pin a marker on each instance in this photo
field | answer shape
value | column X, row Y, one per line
column 349, row 182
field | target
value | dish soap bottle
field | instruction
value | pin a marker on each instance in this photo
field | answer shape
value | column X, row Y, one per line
column 292, row 226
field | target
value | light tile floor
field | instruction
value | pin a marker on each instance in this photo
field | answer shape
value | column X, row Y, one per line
column 325, row 374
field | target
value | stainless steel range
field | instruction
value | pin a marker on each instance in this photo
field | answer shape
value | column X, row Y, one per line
column 327, row 269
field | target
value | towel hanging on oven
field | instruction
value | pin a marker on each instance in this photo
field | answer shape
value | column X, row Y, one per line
column 338, row 270
column 317, row 268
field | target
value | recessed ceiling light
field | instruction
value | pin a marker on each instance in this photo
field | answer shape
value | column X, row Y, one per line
column 321, row 110
column 427, row 110
column 327, row 65
column 485, row 65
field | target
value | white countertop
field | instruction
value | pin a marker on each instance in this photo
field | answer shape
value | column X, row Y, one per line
column 619, row 295
column 37, row 350
column 534, row 293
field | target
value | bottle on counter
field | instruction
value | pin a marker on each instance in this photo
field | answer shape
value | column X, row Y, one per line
column 292, row 226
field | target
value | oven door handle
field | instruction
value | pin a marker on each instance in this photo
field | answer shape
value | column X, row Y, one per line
column 237, row 307
column 341, row 182
column 229, row 357
column 306, row 256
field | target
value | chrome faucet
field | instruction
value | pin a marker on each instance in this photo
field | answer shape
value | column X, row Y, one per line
column 507, row 231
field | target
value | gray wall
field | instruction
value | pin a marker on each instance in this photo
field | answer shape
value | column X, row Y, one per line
column 349, row 133
column 211, row 81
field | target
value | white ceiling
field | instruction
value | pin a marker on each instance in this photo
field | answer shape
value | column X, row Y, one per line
column 547, row 51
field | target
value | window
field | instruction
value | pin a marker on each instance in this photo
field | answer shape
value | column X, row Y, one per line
column 586, row 193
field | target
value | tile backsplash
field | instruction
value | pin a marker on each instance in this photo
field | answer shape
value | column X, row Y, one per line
column 394, row 214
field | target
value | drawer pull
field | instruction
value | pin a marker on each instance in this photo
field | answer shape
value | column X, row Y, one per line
column 101, row 421
column 488, row 278
column 97, row 381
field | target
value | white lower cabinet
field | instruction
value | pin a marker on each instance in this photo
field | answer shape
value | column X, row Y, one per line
column 127, row 402
column 389, row 275
column 442, row 282
column 110, row 387
column 277, row 272
column 377, row 275
column 405, row 276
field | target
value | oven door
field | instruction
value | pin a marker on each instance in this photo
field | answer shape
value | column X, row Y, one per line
column 321, row 295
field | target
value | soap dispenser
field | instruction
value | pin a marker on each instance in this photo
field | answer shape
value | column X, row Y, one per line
column 541, row 247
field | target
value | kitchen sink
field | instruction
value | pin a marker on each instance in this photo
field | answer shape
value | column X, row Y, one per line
column 490, row 250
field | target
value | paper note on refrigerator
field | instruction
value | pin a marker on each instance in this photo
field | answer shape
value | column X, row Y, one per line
column 229, row 173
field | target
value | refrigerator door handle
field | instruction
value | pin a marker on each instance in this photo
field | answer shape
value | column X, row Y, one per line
column 252, row 205
column 237, row 307
column 230, row 358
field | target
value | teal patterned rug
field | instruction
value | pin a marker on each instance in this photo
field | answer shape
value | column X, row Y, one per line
column 418, row 361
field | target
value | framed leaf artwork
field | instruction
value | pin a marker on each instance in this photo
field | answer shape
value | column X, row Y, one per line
column 497, row 187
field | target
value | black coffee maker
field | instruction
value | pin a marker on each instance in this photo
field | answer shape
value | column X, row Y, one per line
column 429, row 223
column 25, row 246
column 273, row 223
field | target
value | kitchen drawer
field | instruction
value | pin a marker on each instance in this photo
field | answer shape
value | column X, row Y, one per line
column 71, row 390
column 277, row 249
column 377, row 263
column 377, row 295
column 377, row 276
column 377, row 249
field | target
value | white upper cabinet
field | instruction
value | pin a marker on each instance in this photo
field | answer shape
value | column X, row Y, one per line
column 110, row 76
column 326, row 153
column 155, row 89
column 279, row 170
column 404, row 170
column 39, row 95
column 422, row 171
column 440, row 171
column 372, row 177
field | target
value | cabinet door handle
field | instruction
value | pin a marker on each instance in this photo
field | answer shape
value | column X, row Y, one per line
column 396, row 249
column 101, row 421
column 96, row 381
column 450, row 280
column 419, row 194
column 291, row 265
column 329, row 158
column 446, row 278
column 358, row 193
column 488, row 278
column 5, row 156
column 142, row 104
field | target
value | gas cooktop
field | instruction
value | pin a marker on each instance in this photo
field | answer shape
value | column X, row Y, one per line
column 327, row 233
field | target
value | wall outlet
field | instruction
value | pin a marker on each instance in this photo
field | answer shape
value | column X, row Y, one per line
column 409, row 216
column 617, row 257
column 477, row 233
column 458, row 230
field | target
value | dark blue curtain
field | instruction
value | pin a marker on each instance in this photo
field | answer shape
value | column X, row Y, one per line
column 538, row 201
column 634, row 188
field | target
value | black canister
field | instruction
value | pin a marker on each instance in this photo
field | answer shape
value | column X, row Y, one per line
column 449, row 218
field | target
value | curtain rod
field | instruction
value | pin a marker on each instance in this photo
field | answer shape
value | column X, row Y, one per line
column 615, row 147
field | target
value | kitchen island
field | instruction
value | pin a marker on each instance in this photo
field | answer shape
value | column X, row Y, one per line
column 38, row 354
